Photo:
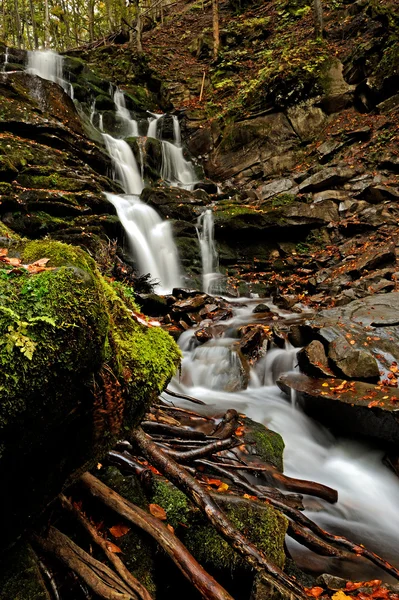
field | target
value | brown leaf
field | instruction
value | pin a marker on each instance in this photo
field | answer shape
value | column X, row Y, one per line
column 119, row 530
column 113, row 548
column 15, row 262
column 3, row 251
column 42, row 262
column 158, row 512
column 170, row 528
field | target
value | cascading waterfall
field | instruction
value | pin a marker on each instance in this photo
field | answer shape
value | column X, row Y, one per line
column 209, row 255
column 132, row 129
column 49, row 65
column 368, row 492
column 126, row 170
column 6, row 59
column 153, row 125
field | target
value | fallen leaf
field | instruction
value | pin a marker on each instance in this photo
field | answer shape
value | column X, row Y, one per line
column 314, row 592
column 119, row 530
column 113, row 548
column 158, row 512
column 223, row 487
column 170, row 528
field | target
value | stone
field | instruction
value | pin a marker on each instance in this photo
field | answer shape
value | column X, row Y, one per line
column 306, row 119
column 328, row 149
column 373, row 257
column 353, row 363
column 261, row 308
column 190, row 304
column 248, row 143
column 274, row 187
column 388, row 105
column 174, row 203
column 340, row 94
column 379, row 193
column 313, row 361
column 338, row 196
column 348, row 408
column 326, row 178
column 252, row 341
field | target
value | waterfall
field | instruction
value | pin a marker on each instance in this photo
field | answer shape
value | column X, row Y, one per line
column 6, row 59
column 176, row 131
column 209, row 256
column 151, row 240
column 48, row 65
column 153, row 125
column 123, row 113
column 126, row 170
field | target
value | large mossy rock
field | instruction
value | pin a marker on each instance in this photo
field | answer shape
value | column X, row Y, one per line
column 76, row 368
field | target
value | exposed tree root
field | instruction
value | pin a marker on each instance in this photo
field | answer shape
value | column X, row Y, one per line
column 187, row 564
column 201, row 498
column 100, row 578
column 135, row 586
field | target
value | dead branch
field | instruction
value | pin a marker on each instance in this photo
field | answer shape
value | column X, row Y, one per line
column 184, row 397
column 135, row 586
column 302, row 486
column 187, row 564
column 182, row 432
column 100, row 578
column 190, row 455
column 201, row 498
column 227, row 425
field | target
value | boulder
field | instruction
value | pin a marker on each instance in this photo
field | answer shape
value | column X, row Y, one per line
column 348, row 408
column 248, row 143
column 274, row 187
column 174, row 203
column 353, row 363
column 313, row 361
column 306, row 119
column 64, row 395
column 325, row 179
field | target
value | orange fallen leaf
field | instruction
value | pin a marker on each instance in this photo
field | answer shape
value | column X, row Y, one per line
column 158, row 512
column 223, row 487
column 119, row 530
column 314, row 592
column 113, row 548
column 171, row 529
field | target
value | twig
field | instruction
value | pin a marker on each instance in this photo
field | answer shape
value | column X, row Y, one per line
column 227, row 425
column 184, row 397
column 120, row 568
column 201, row 498
column 207, row 586
column 182, row 432
column 196, row 453
column 50, row 578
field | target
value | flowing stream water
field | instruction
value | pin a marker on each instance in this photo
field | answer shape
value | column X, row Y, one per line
column 367, row 510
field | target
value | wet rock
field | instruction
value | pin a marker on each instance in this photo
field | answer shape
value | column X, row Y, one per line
column 373, row 257
column 203, row 335
column 261, row 308
column 348, row 408
column 325, row 179
column 207, row 185
column 313, row 361
column 173, row 203
column 353, row 363
column 190, row 304
column 252, row 343
column 152, row 304
column 388, row 105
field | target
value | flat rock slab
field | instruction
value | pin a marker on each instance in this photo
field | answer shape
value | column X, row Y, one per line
column 369, row 326
column 348, row 407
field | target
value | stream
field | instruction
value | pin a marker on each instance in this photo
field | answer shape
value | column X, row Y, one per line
column 367, row 510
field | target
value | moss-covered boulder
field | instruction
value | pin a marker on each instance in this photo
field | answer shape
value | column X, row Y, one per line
column 262, row 524
column 76, row 367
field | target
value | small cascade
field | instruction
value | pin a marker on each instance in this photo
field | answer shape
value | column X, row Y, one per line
column 49, row 65
column 176, row 170
column 6, row 59
column 176, row 131
column 209, row 256
column 132, row 128
column 153, row 125
column 126, row 170
column 150, row 239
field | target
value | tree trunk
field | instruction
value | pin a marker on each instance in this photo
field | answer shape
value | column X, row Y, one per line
column 139, row 29
column 46, row 24
column 34, row 26
column 216, row 37
column 91, row 19
column 318, row 18
column 18, row 24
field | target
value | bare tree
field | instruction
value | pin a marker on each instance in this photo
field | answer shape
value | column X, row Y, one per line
column 216, row 36
column 318, row 18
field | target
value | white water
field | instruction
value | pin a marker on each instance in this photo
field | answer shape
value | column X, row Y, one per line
column 126, row 170
column 367, row 510
column 209, row 256
column 153, row 125
column 48, row 65
column 150, row 239
column 6, row 59
column 132, row 128
column 176, row 170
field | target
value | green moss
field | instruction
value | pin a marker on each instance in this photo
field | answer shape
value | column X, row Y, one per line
column 268, row 444
column 6, row 232
column 20, row 578
column 263, row 525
